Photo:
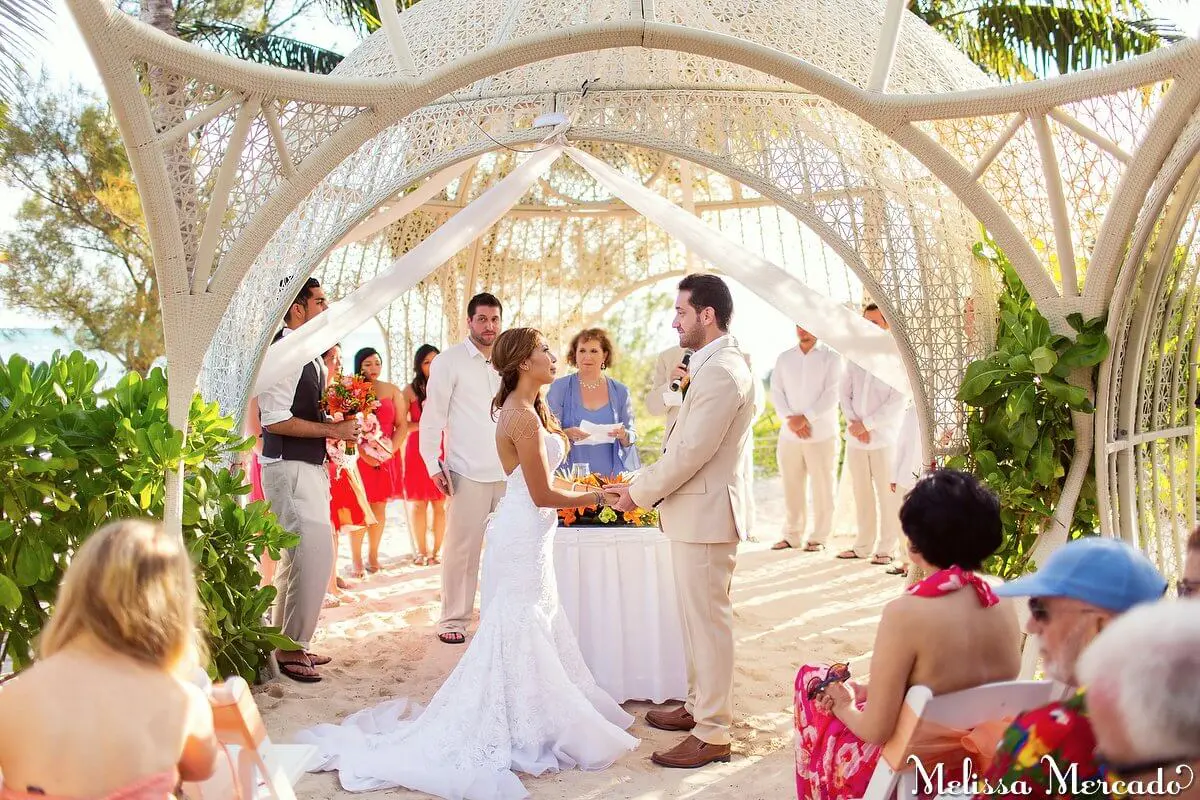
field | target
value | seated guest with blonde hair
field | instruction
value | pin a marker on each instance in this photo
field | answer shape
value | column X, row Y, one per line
column 1080, row 589
column 589, row 395
column 948, row 632
column 1143, row 679
column 108, row 711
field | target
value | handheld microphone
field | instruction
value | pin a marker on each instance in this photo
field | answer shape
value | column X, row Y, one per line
column 687, row 356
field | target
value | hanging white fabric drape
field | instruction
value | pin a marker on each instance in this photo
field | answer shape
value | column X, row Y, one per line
column 839, row 327
column 410, row 202
column 319, row 334
column 842, row 329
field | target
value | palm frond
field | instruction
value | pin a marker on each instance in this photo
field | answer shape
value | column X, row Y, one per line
column 21, row 23
column 1043, row 38
column 361, row 14
column 262, row 48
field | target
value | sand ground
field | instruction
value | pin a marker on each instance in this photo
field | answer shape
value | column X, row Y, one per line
column 789, row 607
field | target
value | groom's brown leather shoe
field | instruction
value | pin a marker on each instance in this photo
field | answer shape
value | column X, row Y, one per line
column 677, row 719
column 691, row 753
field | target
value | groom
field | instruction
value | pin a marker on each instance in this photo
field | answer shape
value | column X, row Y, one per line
column 701, row 490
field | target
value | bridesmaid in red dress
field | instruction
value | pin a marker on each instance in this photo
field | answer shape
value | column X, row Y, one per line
column 345, row 511
column 419, row 489
column 378, row 476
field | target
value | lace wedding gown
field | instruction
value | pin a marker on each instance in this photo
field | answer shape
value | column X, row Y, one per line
column 520, row 700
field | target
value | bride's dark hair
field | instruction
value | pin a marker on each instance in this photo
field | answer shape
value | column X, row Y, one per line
column 511, row 350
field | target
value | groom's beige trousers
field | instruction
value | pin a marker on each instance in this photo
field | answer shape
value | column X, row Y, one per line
column 703, row 573
column 467, row 511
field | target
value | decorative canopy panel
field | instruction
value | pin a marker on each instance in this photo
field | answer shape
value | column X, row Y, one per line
column 862, row 127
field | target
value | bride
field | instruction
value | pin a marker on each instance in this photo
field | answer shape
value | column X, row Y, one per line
column 521, row 699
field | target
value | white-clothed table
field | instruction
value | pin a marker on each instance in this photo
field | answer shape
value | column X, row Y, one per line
column 618, row 591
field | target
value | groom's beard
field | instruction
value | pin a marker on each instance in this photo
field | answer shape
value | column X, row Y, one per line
column 692, row 338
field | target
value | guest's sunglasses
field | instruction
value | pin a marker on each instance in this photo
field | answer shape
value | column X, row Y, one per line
column 837, row 673
column 1187, row 588
column 1038, row 610
column 1171, row 767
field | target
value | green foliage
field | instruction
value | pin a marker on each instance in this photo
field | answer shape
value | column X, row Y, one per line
column 72, row 459
column 1020, row 41
column 1022, row 398
column 80, row 253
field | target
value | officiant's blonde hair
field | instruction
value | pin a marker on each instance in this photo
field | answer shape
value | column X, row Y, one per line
column 511, row 350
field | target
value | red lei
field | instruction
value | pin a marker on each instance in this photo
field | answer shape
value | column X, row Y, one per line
column 951, row 579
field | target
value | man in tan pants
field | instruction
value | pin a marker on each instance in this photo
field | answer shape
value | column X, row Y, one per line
column 458, row 410
column 700, row 488
column 873, row 410
column 804, row 386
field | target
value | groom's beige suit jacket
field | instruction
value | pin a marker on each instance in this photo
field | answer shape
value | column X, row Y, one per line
column 700, row 486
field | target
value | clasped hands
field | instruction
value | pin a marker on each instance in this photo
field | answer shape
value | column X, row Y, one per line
column 859, row 431
column 620, row 492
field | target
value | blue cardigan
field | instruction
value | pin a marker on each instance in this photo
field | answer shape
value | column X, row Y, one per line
column 565, row 399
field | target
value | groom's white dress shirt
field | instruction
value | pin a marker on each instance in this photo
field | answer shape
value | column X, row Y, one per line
column 458, row 401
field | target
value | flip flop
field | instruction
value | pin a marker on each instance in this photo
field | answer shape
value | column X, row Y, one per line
column 782, row 545
column 316, row 660
column 813, row 547
column 288, row 668
column 848, row 554
column 447, row 637
column 897, row 571
column 880, row 560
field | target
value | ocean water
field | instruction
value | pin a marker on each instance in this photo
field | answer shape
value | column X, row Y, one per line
column 39, row 344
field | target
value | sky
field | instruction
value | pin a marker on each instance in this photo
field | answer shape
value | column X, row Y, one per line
column 763, row 331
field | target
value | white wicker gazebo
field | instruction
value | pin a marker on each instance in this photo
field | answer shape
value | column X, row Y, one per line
column 844, row 140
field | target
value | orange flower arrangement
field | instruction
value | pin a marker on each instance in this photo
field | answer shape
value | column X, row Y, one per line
column 595, row 515
column 346, row 396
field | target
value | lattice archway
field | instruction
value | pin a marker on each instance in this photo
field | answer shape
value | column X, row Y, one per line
column 228, row 156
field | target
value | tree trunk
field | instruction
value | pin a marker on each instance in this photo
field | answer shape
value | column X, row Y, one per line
column 159, row 14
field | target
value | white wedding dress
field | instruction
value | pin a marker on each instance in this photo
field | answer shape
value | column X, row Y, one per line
column 520, row 700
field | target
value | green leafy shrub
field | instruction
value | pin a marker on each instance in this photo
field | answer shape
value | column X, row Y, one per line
column 1019, row 426
column 72, row 458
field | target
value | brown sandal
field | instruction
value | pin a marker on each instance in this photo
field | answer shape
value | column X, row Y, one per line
column 783, row 544
column 813, row 547
column 848, row 554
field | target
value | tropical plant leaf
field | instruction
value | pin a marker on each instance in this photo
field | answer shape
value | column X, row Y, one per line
column 22, row 22
column 362, row 14
column 262, row 48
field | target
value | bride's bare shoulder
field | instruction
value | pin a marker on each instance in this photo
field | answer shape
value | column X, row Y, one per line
column 517, row 422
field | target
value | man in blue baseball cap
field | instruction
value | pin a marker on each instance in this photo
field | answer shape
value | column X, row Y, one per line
column 1082, row 587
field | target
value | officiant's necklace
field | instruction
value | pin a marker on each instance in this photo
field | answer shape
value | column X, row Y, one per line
column 595, row 385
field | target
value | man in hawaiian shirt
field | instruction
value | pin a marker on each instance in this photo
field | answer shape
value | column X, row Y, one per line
column 1080, row 589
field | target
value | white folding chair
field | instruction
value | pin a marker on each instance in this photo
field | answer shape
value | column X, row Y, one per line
column 253, row 767
column 895, row 777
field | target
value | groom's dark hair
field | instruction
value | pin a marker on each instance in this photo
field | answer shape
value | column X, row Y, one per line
column 486, row 300
column 709, row 291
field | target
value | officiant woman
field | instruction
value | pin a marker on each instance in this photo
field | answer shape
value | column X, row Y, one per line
column 588, row 394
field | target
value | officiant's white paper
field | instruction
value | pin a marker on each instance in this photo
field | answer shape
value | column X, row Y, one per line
column 597, row 432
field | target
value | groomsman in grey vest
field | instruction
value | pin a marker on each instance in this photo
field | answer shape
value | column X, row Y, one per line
column 294, row 430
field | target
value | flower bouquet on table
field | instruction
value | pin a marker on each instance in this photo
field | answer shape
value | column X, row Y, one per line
column 596, row 515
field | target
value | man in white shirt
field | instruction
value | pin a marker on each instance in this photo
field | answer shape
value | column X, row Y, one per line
column 458, row 407
column 805, row 387
column 872, row 409
column 294, row 480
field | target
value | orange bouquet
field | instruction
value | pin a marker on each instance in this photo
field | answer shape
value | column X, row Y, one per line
column 347, row 396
